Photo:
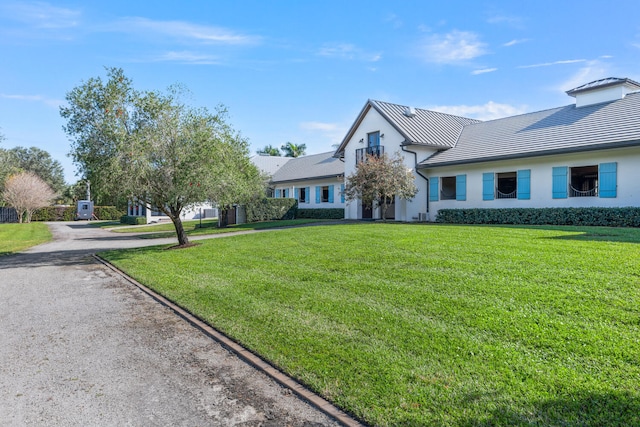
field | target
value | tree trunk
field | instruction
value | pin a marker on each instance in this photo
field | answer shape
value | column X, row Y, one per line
column 223, row 217
column 384, row 210
column 182, row 236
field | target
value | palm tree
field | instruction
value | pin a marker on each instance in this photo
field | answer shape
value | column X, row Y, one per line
column 293, row 150
column 270, row 150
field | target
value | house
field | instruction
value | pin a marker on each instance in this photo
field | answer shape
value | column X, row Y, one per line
column 205, row 210
column 269, row 165
column 585, row 154
column 316, row 181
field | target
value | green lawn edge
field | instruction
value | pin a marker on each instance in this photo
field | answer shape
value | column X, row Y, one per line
column 18, row 237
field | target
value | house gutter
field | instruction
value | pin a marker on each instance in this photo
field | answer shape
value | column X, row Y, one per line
column 415, row 161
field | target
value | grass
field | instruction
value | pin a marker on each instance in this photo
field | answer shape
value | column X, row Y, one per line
column 209, row 226
column 18, row 237
column 428, row 325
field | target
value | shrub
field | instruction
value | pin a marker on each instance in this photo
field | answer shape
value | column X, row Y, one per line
column 55, row 213
column 107, row 212
column 332, row 213
column 595, row 216
column 133, row 220
column 266, row 209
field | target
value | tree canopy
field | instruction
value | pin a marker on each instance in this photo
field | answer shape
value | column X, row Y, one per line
column 293, row 150
column 379, row 179
column 150, row 146
column 26, row 192
column 270, row 150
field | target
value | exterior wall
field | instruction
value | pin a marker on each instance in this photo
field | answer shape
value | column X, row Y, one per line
column 541, row 181
column 193, row 212
column 373, row 122
column 311, row 184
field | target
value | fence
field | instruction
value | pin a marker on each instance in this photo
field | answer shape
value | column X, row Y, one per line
column 8, row 215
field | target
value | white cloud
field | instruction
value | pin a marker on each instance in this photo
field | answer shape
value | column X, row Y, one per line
column 453, row 47
column 515, row 42
column 395, row 20
column 348, row 51
column 41, row 14
column 483, row 71
column 331, row 132
column 489, row 111
column 593, row 70
column 548, row 64
column 50, row 102
column 183, row 30
column 187, row 57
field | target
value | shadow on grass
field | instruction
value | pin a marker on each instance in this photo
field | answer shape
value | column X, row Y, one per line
column 596, row 234
column 585, row 409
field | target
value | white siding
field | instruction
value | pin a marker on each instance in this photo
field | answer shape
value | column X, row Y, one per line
column 312, row 184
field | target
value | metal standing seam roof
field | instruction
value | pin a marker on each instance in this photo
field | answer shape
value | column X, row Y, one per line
column 564, row 129
column 314, row 166
column 602, row 83
column 425, row 127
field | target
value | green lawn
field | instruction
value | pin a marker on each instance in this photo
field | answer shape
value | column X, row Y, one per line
column 18, row 237
column 208, row 226
column 426, row 324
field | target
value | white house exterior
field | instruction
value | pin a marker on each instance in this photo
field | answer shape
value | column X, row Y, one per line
column 198, row 211
column 315, row 181
column 585, row 154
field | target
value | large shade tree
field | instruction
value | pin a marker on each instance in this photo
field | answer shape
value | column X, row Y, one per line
column 150, row 145
column 378, row 179
column 40, row 162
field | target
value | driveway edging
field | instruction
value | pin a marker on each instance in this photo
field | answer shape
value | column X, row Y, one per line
column 251, row 358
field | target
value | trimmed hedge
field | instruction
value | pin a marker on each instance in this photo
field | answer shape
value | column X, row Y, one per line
column 595, row 216
column 332, row 213
column 133, row 220
column 268, row 209
column 68, row 213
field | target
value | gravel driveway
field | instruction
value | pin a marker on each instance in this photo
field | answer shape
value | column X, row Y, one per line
column 80, row 346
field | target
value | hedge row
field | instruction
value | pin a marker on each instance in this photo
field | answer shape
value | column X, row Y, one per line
column 610, row 217
column 332, row 213
column 133, row 220
column 267, row 209
column 68, row 213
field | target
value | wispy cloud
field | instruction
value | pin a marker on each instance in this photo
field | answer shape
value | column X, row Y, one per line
column 348, row 51
column 182, row 30
column 453, row 47
column 483, row 71
column 593, row 70
column 489, row 111
column 510, row 20
column 395, row 20
column 50, row 102
column 187, row 57
column 41, row 15
column 548, row 64
column 333, row 132
column 515, row 42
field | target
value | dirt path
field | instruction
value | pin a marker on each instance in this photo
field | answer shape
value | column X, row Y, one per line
column 79, row 346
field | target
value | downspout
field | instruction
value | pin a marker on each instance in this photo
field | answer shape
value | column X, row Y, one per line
column 415, row 157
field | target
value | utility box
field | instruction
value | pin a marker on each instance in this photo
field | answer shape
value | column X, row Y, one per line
column 85, row 210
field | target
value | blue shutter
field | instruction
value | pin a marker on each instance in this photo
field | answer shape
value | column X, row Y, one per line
column 318, row 194
column 433, row 188
column 286, row 193
column 524, row 184
column 297, row 194
column 560, row 182
column 487, row 186
column 608, row 180
column 461, row 187
column 307, row 194
column 341, row 193
column 331, row 194
column 275, row 193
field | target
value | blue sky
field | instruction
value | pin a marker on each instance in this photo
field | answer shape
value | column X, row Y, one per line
column 300, row 71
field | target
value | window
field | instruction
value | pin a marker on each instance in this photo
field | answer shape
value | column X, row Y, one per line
column 324, row 198
column 373, row 139
column 584, row 181
column 507, row 185
column 303, row 195
column 448, row 191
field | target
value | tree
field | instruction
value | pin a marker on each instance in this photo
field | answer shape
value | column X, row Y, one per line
column 270, row 150
column 149, row 145
column 26, row 192
column 378, row 180
column 41, row 163
column 293, row 150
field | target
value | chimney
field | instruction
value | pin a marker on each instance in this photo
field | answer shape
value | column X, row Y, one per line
column 603, row 90
column 410, row 112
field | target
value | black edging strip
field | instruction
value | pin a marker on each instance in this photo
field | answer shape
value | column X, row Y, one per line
column 251, row 358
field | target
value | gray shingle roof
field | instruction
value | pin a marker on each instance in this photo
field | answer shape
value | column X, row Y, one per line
column 315, row 166
column 559, row 130
column 269, row 164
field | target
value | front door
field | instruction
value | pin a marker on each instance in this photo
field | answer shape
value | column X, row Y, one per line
column 367, row 211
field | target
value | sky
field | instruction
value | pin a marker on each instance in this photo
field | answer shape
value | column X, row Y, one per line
column 301, row 71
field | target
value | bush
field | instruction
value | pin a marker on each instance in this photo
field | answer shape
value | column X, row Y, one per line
column 332, row 213
column 595, row 216
column 267, row 209
column 133, row 220
column 107, row 212
column 55, row 213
